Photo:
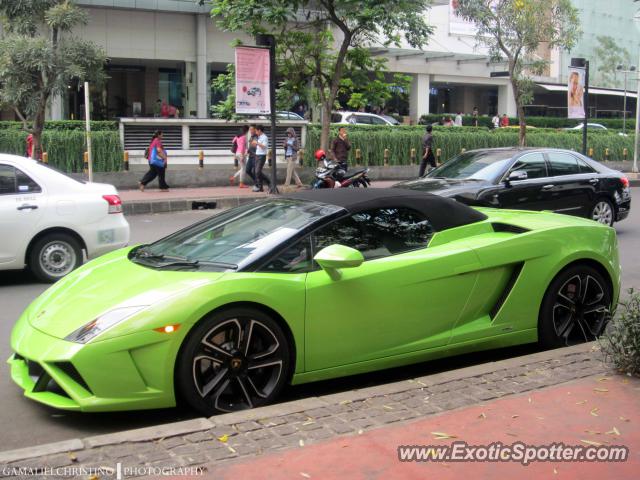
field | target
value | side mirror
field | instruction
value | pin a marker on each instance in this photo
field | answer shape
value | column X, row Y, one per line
column 517, row 175
column 336, row 256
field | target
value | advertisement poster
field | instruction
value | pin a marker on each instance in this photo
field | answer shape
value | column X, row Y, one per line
column 575, row 93
column 252, row 80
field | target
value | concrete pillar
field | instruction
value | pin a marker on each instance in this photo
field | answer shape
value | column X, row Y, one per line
column 201, row 67
column 506, row 101
column 56, row 109
column 419, row 97
column 190, row 104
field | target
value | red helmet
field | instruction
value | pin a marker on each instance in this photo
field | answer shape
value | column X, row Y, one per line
column 320, row 154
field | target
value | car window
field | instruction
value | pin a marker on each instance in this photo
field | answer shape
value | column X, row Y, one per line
column 584, row 168
column 7, row 180
column 563, row 164
column 377, row 233
column 25, row 184
column 533, row 164
column 336, row 118
column 377, row 121
column 362, row 119
column 295, row 259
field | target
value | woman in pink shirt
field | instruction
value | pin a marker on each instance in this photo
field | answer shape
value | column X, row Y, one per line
column 240, row 155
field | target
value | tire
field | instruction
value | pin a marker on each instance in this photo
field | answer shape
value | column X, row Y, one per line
column 575, row 307
column 53, row 256
column 216, row 371
column 603, row 212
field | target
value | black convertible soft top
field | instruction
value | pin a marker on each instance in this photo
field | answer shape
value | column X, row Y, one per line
column 443, row 213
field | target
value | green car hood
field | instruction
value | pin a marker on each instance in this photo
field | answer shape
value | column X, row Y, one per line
column 109, row 282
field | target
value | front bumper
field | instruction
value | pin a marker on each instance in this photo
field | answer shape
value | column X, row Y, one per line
column 124, row 373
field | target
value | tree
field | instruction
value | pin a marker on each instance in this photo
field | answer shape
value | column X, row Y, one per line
column 39, row 57
column 318, row 41
column 609, row 55
column 515, row 30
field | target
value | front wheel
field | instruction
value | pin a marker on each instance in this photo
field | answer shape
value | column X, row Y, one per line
column 54, row 256
column 575, row 308
column 233, row 360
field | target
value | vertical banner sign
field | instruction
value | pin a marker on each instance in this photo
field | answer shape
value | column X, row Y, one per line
column 575, row 93
column 252, row 80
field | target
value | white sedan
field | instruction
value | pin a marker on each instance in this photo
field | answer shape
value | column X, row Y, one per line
column 49, row 221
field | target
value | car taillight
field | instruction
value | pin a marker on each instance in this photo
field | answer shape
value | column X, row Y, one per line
column 115, row 204
column 625, row 182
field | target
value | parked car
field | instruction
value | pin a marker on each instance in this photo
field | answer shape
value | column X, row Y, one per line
column 282, row 115
column 531, row 179
column 390, row 119
column 49, row 220
column 590, row 126
column 359, row 118
column 312, row 286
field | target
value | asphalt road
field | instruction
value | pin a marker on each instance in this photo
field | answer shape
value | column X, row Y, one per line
column 25, row 423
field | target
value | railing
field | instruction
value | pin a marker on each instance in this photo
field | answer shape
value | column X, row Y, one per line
column 185, row 138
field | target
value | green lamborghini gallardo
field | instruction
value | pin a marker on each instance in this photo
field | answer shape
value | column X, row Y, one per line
column 311, row 286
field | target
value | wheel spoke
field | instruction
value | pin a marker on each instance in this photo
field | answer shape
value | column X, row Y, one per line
column 254, row 388
column 221, row 376
column 245, row 342
column 245, row 392
column 264, row 364
column 213, row 349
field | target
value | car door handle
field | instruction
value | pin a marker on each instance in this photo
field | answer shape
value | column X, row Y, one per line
column 594, row 181
column 27, row 207
column 546, row 188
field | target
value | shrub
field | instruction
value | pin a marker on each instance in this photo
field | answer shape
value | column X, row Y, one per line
column 65, row 148
column 541, row 122
column 621, row 342
column 372, row 142
column 96, row 125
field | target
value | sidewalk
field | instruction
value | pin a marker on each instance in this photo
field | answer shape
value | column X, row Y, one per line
column 595, row 411
column 357, row 432
column 152, row 200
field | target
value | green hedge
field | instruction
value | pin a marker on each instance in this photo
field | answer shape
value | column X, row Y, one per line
column 372, row 142
column 542, row 122
column 96, row 125
column 65, row 148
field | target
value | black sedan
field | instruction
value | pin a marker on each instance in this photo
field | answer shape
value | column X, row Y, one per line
column 531, row 179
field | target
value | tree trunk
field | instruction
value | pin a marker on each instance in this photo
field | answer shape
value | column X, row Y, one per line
column 326, row 124
column 522, row 137
column 38, row 127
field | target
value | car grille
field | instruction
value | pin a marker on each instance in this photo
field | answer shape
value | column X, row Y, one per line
column 45, row 383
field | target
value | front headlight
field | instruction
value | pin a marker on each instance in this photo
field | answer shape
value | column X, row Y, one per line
column 102, row 323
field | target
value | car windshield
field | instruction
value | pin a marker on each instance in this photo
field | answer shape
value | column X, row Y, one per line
column 479, row 165
column 234, row 238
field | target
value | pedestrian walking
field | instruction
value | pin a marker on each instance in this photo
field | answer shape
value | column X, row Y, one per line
column 340, row 148
column 458, row 121
column 291, row 148
column 495, row 121
column 239, row 150
column 262, row 147
column 251, row 153
column 428, row 158
column 157, row 156
column 475, row 116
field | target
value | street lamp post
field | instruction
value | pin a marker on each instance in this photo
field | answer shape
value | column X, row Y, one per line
column 625, row 69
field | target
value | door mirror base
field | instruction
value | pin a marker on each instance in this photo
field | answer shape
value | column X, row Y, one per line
column 334, row 257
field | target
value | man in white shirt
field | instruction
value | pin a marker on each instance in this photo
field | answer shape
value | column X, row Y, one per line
column 458, row 121
column 496, row 121
column 262, row 147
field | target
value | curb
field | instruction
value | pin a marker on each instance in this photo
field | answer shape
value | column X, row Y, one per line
column 286, row 408
column 180, row 205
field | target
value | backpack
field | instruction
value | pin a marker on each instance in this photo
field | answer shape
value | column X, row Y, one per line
column 234, row 145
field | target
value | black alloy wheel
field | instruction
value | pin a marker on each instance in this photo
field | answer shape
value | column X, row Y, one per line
column 234, row 360
column 575, row 309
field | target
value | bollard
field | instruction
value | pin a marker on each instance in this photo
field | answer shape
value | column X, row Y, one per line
column 45, row 157
column 606, row 154
column 386, row 157
column 625, row 152
column 358, row 156
column 438, row 155
column 125, row 158
column 86, row 162
column 300, row 157
column 590, row 152
column 413, row 156
column 201, row 159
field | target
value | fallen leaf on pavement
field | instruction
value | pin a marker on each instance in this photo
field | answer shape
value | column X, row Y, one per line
column 603, row 379
column 224, row 438
column 309, row 422
column 601, row 390
column 305, row 475
column 231, row 449
column 442, row 436
column 301, row 443
column 515, row 416
column 482, row 415
column 530, row 401
column 581, row 402
column 592, row 432
column 511, row 434
column 613, row 431
column 555, row 472
column 387, row 407
column 360, row 432
column 624, row 419
column 73, row 457
column 594, row 412
column 590, row 442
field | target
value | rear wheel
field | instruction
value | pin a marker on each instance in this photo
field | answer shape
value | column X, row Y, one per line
column 603, row 212
column 54, row 256
column 233, row 360
column 575, row 308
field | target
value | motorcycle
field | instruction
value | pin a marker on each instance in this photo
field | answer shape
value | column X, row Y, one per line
column 332, row 175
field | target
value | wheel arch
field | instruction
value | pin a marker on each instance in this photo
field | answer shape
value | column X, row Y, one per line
column 53, row 230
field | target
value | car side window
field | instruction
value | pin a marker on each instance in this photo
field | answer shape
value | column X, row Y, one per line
column 7, row 180
column 563, row 164
column 377, row 121
column 362, row 120
column 584, row 168
column 25, row 184
column 532, row 163
column 377, row 233
column 295, row 259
